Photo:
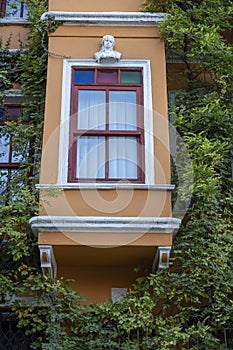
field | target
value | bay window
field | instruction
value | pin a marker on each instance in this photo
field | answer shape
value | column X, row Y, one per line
column 106, row 124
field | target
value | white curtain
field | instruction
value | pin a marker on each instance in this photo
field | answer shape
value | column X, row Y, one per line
column 91, row 150
column 122, row 110
column 91, row 110
column 122, row 157
column 91, row 157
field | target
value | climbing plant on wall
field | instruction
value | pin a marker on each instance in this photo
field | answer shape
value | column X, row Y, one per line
column 189, row 306
column 19, row 199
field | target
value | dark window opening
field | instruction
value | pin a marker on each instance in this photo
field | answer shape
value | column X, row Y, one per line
column 12, row 337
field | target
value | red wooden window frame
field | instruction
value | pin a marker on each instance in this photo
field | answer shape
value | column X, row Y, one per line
column 7, row 117
column 74, row 132
column 9, row 166
column 3, row 8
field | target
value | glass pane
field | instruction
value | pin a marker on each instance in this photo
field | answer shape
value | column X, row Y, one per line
column 91, row 110
column 84, row 76
column 20, row 155
column 122, row 110
column 25, row 10
column 123, row 158
column 13, row 112
column 107, row 76
column 2, row 113
column 4, row 148
column 13, row 8
column 130, row 77
column 90, row 157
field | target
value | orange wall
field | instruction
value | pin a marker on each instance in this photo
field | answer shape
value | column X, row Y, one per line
column 16, row 33
column 96, row 271
column 95, row 283
column 121, row 202
column 97, row 5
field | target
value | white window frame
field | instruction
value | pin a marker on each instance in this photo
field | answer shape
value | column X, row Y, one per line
column 68, row 64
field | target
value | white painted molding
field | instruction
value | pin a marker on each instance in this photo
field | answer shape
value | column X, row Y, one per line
column 161, row 258
column 65, row 113
column 13, row 97
column 117, row 294
column 27, row 301
column 14, row 20
column 104, row 224
column 136, row 19
column 105, row 186
column 164, row 257
column 47, row 261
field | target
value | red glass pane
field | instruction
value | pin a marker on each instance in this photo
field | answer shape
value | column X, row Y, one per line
column 106, row 76
column 13, row 112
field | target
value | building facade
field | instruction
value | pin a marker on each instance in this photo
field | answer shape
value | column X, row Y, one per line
column 105, row 185
column 105, row 148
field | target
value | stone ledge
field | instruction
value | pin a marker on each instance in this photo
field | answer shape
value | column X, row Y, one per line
column 104, row 224
column 138, row 19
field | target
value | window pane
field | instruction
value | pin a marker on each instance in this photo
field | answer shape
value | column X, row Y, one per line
column 2, row 113
column 13, row 112
column 13, row 8
column 107, row 76
column 91, row 109
column 4, row 147
column 3, row 180
column 123, row 158
column 129, row 77
column 84, row 76
column 122, row 110
column 25, row 10
column 90, row 157
column 19, row 156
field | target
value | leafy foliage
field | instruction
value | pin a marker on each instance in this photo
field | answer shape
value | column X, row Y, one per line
column 189, row 306
column 26, row 66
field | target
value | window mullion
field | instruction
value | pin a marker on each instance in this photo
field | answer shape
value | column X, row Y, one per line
column 21, row 8
column 106, row 137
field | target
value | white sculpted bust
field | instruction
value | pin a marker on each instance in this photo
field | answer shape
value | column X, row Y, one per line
column 106, row 53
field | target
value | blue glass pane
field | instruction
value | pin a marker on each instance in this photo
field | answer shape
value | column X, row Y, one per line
column 84, row 76
column 2, row 113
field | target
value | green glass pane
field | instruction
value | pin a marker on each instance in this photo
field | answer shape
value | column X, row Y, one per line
column 130, row 77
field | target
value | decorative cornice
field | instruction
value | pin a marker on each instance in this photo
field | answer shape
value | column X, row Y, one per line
column 105, row 186
column 104, row 224
column 136, row 19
